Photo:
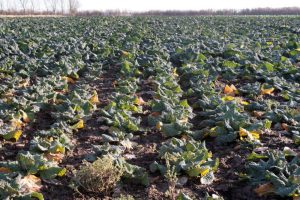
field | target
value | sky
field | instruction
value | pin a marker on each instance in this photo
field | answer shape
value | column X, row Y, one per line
column 144, row 5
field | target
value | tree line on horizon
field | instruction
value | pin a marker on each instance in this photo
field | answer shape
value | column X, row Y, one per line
column 254, row 11
column 39, row 7
column 71, row 7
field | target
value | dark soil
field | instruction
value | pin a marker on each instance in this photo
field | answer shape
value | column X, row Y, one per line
column 83, row 142
column 145, row 151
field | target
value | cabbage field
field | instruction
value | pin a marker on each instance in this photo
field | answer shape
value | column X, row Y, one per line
column 155, row 108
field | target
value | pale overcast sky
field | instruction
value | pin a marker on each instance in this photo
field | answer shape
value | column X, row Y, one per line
column 142, row 5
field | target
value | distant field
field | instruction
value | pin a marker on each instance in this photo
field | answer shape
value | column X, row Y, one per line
column 150, row 108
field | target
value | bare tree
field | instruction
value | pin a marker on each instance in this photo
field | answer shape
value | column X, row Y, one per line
column 62, row 6
column 73, row 6
column 53, row 5
column 46, row 5
column 24, row 4
column 1, row 5
column 9, row 5
column 32, row 6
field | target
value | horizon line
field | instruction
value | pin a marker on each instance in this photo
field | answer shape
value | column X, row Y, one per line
column 189, row 10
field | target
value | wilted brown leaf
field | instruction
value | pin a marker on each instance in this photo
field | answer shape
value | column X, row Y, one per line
column 264, row 189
